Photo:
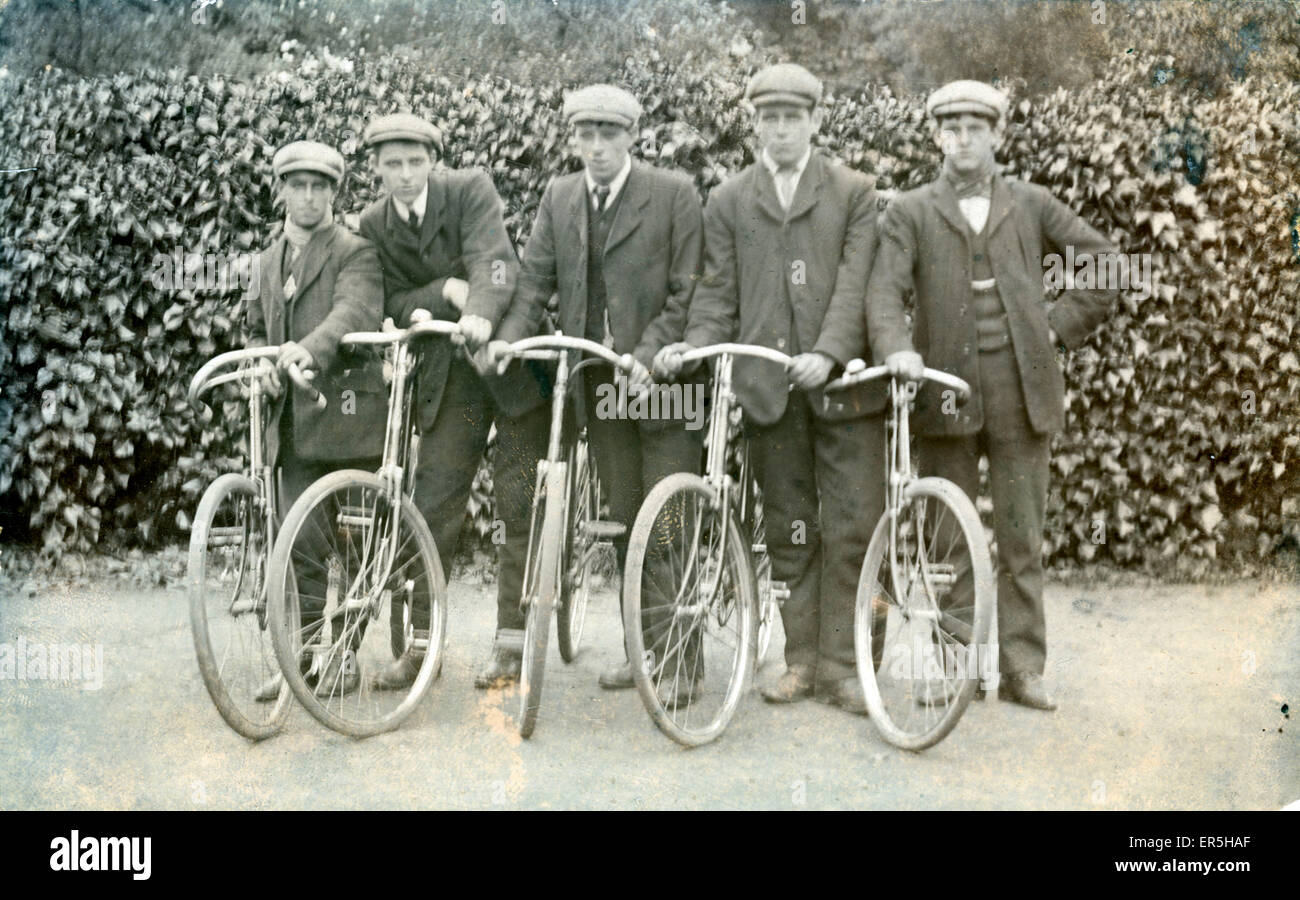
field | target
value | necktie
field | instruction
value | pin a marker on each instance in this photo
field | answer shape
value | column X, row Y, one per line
column 602, row 194
column 413, row 220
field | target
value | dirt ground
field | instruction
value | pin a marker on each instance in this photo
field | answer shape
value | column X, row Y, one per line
column 1172, row 697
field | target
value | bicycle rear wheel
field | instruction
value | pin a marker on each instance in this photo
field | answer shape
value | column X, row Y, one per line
column 689, row 609
column 345, row 564
column 541, row 589
column 580, row 547
column 226, row 584
column 921, row 624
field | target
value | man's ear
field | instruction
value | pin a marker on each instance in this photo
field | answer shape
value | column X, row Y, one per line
column 818, row 115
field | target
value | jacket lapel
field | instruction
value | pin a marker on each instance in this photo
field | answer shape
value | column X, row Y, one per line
column 809, row 187
column 946, row 201
column 999, row 204
column 628, row 216
column 398, row 231
column 273, row 281
column 576, row 204
column 433, row 207
column 765, row 192
column 313, row 258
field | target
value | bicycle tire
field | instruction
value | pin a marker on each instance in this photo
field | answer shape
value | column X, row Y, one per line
column 874, row 609
column 541, row 595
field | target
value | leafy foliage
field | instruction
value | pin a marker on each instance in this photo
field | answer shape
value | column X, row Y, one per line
column 1181, row 435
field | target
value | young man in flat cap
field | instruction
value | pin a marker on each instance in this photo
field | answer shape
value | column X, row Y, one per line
column 444, row 248
column 318, row 281
column 620, row 243
column 970, row 246
column 788, row 247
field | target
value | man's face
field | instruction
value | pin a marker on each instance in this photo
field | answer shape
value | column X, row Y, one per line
column 785, row 130
column 307, row 197
column 404, row 168
column 967, row 141
column 604, row 148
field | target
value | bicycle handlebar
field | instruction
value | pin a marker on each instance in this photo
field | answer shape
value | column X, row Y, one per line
column 850, row 378
column 203, row 379
column 751, row 350
column 397, row 335
column 548, row 346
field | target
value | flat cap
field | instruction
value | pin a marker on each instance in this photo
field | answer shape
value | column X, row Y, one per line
column 602, row 103
column 308, row 156
column 401, row 127
column 976, row 97
column 784, row 83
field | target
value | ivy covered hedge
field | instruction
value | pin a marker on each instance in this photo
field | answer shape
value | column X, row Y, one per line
column 1182, row 440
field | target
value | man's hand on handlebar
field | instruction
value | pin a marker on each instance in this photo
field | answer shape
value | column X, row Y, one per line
column 809, row 371
column 292, row 353
column 905, row 364
column 638, row 376
column 270, row 377
column 473, row 332
column 456, row 292
column 668, row 361
column 496, row 356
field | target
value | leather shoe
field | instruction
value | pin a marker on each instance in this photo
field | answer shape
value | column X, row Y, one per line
column 500, row 670
column 941, row 693
column 795, row 683
column 340, row 678
column 399, row 674
column 845, row 693
column 617, row 677
column 1025, row 688
column 269, row 692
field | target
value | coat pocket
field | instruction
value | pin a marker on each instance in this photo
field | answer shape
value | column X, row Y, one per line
column 352, row 424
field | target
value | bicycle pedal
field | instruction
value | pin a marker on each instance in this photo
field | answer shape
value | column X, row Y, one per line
column 780, row 591
column 602, row 530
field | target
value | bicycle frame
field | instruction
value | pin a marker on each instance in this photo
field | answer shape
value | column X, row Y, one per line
column 396, row 469
column 257, row 469
column 557, row 348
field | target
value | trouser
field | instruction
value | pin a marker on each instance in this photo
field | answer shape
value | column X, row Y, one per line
column 1018, row 476
column 823, row 491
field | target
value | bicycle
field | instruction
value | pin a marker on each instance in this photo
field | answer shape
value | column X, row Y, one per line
column 694, row 544
column 927, row 552
column 354, row 551
column 565, row 532
column 230, row 542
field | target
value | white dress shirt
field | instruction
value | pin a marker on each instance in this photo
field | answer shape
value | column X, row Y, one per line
column 976, row 211
column 614, row 186
column 420, row 203
column 785, row 191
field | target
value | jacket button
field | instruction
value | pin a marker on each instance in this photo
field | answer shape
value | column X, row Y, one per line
column 780, row 344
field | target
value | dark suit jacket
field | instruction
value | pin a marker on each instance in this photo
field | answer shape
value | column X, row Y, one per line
column 819, row 256
column 339, row 289
column 925, row 247
column 651, row 262
column 463, row 235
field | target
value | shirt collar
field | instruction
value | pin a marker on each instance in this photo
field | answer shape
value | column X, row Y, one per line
column 419, row 205
column 614, row 186
column 770, row 164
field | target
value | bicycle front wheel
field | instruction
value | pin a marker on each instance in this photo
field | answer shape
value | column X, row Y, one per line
column 226, row 585
column 346, row 563
column 541, row 587
column 689, row 616
column 922, row 620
